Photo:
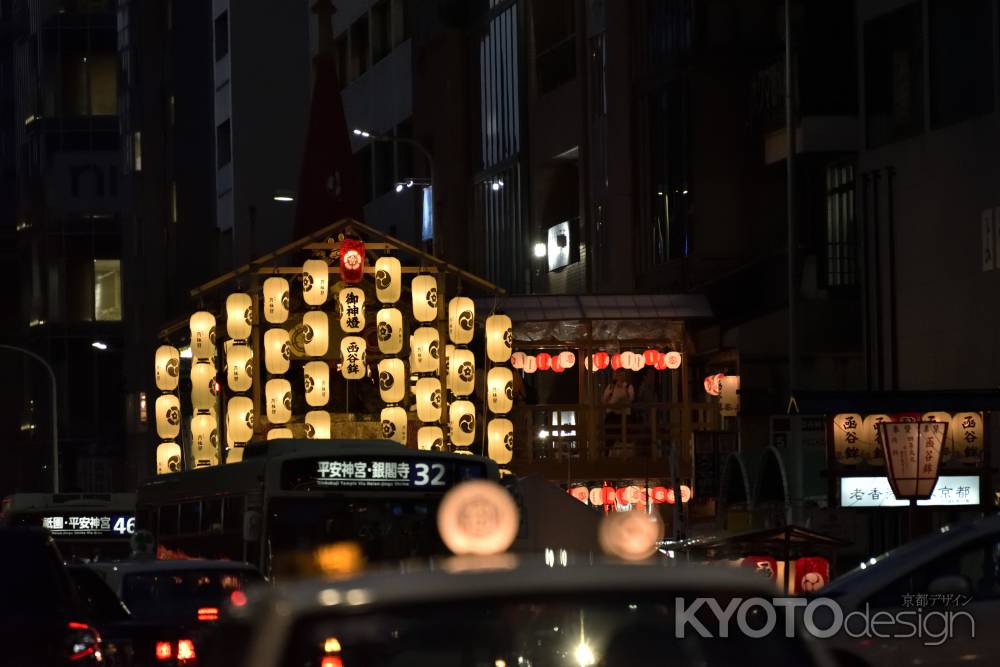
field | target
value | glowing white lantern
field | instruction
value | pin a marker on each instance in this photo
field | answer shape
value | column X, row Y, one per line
column 280, row 434
column 278, row 400
column 204, row 386
column 316, row 378
column 353, row 358
column 167, row 367
column 352, row 309
column 239, row 420
column 633, row 361
column 430, row 437
column 500, row 440
column 204, row 441
column 168, row 458
column 317, row 333
column 276, row 300
column 318, row 425
column 461, row 320
column 462, row 372
column 239, row 315
column 672, row 360
column 428, row 393
column 499, row 338
column 500, row 390
column 389, row 330
column 239, row 367
column 315, row 281
column 517, row 360
column 392, row 380
column 948, row 446
column 424, row 350
column 462, row 419
column 425, row 298
column 168, row 416
column 388, row 284
column 530, row 364
column 394, row 424
column 567, row 359
column 202, row 335
column 277, row 351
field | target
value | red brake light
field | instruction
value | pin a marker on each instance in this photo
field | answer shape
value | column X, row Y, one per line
column 185, row 650
column 238, row 598
column 208, row 614
column 331, row 661
column 83, row 641
column 164, row 651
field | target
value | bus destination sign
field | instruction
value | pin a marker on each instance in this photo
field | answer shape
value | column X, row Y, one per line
column 378, row 474
column 90, row 525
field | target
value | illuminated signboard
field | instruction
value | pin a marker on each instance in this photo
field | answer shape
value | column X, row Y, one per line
column 378, row 474
column 951, row 490
column 90, row 525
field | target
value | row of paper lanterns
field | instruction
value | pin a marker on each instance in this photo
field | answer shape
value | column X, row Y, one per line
column 599, row 496
column 561, row 361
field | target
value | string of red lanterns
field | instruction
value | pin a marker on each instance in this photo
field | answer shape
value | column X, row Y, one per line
column 633, row 361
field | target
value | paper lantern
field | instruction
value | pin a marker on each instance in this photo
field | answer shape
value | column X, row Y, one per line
column 388, row 283
column 811, row 574
column 239, row 367
column 239, row 315
column 425, row 298
column 202, row 335
column 500, row 390
column 168, row 416
column 967, row 429
column 651, row 357
column 616, row 361
column 430, row 437
column 462, row 372
column 277, row 351
column 948, row 446
column 765, row 566
column 317, row 425
column 428, row 394
column 394, row 424
column 352, row 260
column 316, row 337
column 461, row 320
column 567, row 359
column 500, row 440
column 555, row 365
column 713, row 384
column 353, row 358
column 462, row 420
column 167, row 367
column 280, row 434
column 276, row 300
column 424, row 350
column 632, row 361
column 389, row 330
column 672, row 360
column 315, row 281
column 530, row 364
column 204, row 386
column 517, row 360
column 278, row 400
column 544, row 360
column 352, row 309
column 661, row 363
column 392, row 380
column 847, row 434
column 204, row 441
column 168, row 458
column 601, row 360
column 239, row 420
column 499, row 338
column 316, row 381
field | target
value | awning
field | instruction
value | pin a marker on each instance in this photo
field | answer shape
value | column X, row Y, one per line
column 550, row 307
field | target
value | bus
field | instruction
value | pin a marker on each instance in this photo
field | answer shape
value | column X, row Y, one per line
column 288, row 497
column 85, row 526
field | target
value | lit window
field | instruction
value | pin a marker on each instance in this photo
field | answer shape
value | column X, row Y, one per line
column 841, row 243
column 108, row 290
column 137, row 151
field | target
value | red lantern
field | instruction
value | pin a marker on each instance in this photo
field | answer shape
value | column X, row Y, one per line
column 601, row 360
column 608, row 496
column 661, row 363
column 652, row 357
column 352, row 260
column 616, row 361
column 765, row 566
column 556, row 365
column 811, row 574
column 580, row 493
column 685, row 494
column 713, row 384
column 659, row 494
column 544, row 361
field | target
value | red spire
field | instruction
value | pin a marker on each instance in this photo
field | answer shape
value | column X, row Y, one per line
column 330, row 180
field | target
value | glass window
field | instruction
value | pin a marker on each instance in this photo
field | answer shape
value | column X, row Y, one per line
column 894, row 75
column 400, row 25
column 190, row 517
column 340, row 45
column 221, row 35
column 108, row 290
column 841, row 242
column 555, row 41
column 961, row 60
column 381, row 31
column 176, row 596
column 99, row 601
column 365, row 159
column 359, row 47
column 224, row 146
column 384, row 167
column 137, row 150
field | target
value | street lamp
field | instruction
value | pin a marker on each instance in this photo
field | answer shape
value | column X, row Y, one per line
column 55, row 413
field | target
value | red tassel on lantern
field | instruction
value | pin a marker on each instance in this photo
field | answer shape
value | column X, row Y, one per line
column 616, row 361
column 544, row 361
column 652, row 357
column 352, row 260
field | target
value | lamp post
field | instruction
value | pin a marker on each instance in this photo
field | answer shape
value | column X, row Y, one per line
column 372, row 136
column 55, row 413
column 913, row 458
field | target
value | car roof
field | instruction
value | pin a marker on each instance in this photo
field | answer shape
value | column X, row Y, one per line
column 140, row 566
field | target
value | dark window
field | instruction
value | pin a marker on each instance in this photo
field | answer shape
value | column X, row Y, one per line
column 340, row 45
column 176, row 596
column 894, row 75
column 667, row 127
column 168, row 520
column 841, row 242
column 961, row 60
column 405, row 152
column 359, row 47
column 223, row 142
column 190, row 516
column 555, row 43
column 400, row 24
column 221, row 35
column 668, row 32
column 381, row 31
column 367, row 182
column 232, row 514
column 211, row 515
column 499, row 89
column 101, row 603
column 384, row 167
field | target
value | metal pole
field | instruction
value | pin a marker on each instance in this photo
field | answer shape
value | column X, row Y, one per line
column 790, row 203
column 55, row 412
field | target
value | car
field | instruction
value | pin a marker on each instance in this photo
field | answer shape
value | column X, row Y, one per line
column 42, row 620
column 502, row 611
column 171, row 602
column 951, row 576
column 107, row 613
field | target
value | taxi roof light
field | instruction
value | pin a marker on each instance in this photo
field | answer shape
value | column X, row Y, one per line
column 331, row 645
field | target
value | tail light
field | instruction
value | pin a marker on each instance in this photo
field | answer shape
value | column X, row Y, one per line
column 164, row 651
column 332, row 661
column 185, row 651
column 83, row 641
column 208, row 614
column 182, row 650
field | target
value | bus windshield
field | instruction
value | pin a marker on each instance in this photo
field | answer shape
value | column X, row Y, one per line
column 385, row 529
